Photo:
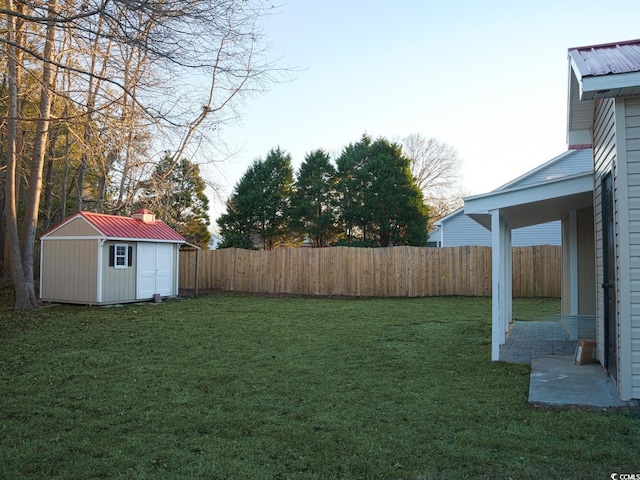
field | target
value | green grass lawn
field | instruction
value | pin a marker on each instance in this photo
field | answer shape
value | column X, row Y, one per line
column 243, row 387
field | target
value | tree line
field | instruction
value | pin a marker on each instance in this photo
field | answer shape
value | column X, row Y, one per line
column 370, row 197
column 108, row 104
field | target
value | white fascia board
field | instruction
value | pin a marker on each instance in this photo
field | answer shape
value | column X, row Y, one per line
column 483, row 204
column 73, row 237
column 576, row 71
column 576, row 136
column 147, row 240
column 597, row 86
column 115, row 239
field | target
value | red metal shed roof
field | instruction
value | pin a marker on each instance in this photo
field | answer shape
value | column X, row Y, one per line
column 113, row 226
column 126, row 227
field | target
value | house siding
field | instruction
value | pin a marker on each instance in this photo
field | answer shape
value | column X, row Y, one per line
column 69, row 271
column 632, row 144
column 118, row 284
column 604, row 155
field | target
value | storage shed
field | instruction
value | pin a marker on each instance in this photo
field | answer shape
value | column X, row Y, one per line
column 97, row 259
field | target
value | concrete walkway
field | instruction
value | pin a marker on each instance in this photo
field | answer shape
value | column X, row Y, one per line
column 555, row 379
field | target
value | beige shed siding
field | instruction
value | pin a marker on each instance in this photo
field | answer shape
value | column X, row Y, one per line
column 70, row 271
column 632, row 131
column 604, row 162
column 78, row 227
column 118, row 284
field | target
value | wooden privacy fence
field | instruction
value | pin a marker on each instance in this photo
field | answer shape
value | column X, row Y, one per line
column 370, row 272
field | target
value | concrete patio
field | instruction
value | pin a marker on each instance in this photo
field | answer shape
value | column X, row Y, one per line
column 555, row 379
column 533, row 339
column 558, row 381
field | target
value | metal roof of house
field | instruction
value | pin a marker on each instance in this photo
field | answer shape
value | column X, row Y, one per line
column 608, row 70
column 595, row 72
column 116, row 227
column 610, row 58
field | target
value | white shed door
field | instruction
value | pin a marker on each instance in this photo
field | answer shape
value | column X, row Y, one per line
column 154, row 264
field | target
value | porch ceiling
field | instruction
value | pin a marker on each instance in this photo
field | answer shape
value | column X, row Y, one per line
column 535, row 204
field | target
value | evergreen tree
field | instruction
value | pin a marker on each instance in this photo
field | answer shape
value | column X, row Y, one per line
column 395, row 206
column 258, row 209
column 352, row 185
column 378, row 196
column 176, row 194
column 313, row 204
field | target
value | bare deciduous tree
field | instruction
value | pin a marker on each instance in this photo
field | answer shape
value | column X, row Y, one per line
column 436, row 168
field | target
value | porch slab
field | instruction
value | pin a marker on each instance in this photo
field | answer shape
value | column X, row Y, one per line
column 557, row 381
column 529, row 339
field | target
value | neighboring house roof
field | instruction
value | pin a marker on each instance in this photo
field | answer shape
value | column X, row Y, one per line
column 126, row 228
column 599, row 71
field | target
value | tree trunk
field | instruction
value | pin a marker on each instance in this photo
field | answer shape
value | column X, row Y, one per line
column 30, row 222
column 24, row 297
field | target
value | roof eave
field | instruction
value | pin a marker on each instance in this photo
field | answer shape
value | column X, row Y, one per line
column 587, row 85
column 609, row 86
column 579, row 112
column 479, row 207
column 151, row 240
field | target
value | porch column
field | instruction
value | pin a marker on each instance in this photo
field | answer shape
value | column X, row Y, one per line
column 501, row 281
column 573, row 274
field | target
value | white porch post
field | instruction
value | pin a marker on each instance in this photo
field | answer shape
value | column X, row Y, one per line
column 501, row 287
column 573, row 273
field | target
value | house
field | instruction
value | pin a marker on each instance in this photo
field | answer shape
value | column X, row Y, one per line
column 604, row 111
column 599, row 210
column 567, row 197
column 458, row 229
column 215, row 241
column 97, row 259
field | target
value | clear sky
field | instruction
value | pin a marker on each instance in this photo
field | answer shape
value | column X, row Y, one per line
column 489, row 78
